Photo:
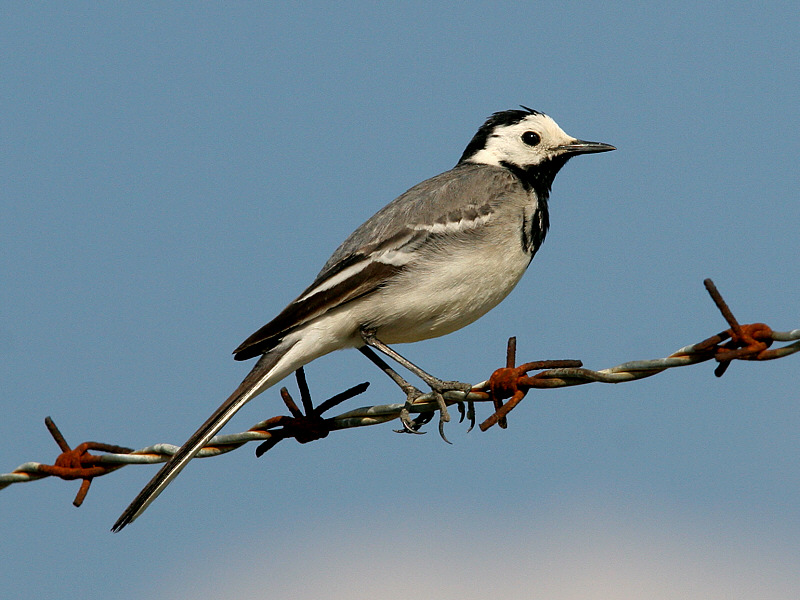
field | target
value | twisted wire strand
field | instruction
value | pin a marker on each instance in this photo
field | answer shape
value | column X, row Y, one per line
column 374, row 415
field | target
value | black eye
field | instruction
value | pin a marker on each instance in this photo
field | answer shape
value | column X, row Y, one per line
column 531, row 138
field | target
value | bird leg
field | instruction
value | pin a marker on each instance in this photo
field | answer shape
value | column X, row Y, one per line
column 438, row 386
column 412, row 393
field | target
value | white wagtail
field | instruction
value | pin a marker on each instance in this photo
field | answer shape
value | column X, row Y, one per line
column 430, row 262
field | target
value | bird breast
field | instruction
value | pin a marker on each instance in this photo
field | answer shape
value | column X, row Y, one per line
column 446, row 290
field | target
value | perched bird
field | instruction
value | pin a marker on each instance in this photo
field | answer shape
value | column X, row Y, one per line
column 433, row 260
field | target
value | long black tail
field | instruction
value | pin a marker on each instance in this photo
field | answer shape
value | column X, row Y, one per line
column 254, row 382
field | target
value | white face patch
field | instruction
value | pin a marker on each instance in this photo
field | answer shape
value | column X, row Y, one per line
column 505, row 144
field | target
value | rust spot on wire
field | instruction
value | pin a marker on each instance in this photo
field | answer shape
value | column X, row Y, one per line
column 747, row 342
column 513, row 383
column 739, row 342
column 78, row 462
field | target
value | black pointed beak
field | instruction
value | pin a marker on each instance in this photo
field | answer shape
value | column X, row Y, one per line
column 582, row 147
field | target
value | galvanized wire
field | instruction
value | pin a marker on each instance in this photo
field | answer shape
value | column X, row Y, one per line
column 374, row 415
column 746, row 342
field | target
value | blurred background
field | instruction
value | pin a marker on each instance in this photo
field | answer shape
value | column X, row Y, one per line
column 173, row 175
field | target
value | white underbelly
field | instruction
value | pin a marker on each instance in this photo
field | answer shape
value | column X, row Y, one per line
column 443, row 294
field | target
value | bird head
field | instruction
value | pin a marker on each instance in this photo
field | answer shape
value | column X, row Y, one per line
column 525, row 139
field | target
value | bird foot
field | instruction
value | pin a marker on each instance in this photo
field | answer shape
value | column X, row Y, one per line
column 411, row 425
column 438, row 389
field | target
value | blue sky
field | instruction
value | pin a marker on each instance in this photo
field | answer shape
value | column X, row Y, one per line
column 173, row 175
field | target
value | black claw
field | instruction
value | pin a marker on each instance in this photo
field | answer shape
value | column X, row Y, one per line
column 409, row 425
column 410, row 430
column 441, row 431
column 471, row 415
column 461, row 411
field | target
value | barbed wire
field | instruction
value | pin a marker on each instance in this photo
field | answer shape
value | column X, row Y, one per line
column 738, row 342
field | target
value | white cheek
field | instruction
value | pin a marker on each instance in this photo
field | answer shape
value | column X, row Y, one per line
column 487, row 156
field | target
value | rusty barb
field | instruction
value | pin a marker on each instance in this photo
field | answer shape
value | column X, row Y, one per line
column 306, row 427
column 78, row 462
column 744, row 342
column 747, row 342
column 511, row 383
